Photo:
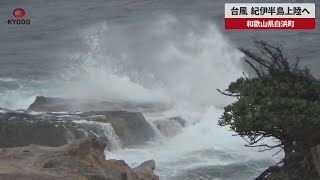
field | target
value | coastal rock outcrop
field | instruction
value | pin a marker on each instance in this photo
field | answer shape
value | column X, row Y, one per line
column 83, row 159
column 57, row 104
column 22, row 129
column 170, row 126
column 131, row 127
column 118, row 128
column 145, row 171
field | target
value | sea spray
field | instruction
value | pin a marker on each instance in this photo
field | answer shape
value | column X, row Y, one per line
column 103, row 130
column 170, row 59
column 173, row 60
column 177, row 61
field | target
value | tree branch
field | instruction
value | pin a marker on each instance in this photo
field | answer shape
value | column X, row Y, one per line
column 253, row 67
column 228, row 94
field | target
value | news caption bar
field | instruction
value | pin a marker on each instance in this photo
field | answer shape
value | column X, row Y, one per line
column 270, row 16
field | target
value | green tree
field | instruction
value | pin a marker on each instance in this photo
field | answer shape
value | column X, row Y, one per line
column 281, row 101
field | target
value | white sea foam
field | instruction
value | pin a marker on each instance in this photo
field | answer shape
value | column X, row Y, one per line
column 172, row 60
column 177, row 61
column 105, row 130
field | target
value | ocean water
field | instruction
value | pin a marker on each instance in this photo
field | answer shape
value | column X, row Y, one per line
column 175, row 52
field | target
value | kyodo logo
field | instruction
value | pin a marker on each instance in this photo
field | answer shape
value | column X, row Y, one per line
column 19, row 13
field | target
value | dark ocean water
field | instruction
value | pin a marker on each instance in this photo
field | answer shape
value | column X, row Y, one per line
column 140, row 50
column 36, row 51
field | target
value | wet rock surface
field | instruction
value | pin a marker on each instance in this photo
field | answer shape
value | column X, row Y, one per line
column 171, row 126
column 21, row 129
column 131, row 127
column 52, row 141
column 56, row 104
column 119, row 128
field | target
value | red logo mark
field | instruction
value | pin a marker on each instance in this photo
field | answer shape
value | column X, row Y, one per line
column 18, row 13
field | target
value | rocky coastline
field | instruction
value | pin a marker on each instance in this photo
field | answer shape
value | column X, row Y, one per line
column 55, row 139
column 82, row 159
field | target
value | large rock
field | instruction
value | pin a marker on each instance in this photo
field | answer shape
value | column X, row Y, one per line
column 82, row 160
column 145, row 171
column 171, row 126
column 22, row 129
column 119, row 128
column 131, row 127
column 56, row 104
